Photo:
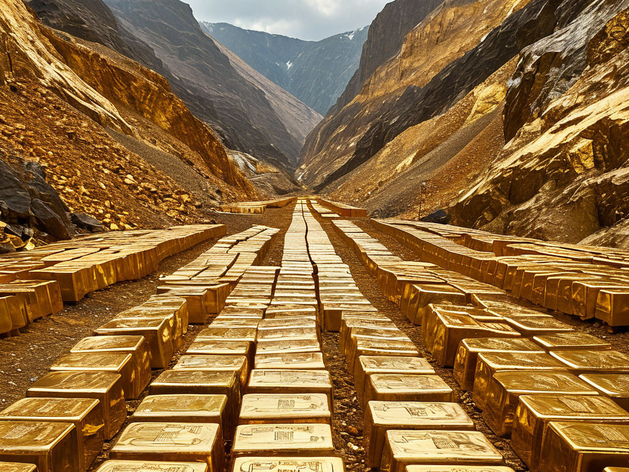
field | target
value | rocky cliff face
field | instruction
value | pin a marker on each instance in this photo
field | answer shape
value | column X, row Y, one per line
column 569, row 157
column 471, row 40
column 519, row 125
column 236, row 108
column 59, row 99
column 316, row 72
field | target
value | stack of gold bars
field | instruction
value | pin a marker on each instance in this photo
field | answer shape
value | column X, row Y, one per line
column 559, row 394
column 34, row 284
column 72, row 411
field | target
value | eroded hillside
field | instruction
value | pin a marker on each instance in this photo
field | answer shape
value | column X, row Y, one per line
column 63, row 103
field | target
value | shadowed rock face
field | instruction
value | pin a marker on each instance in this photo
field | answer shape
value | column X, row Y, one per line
column 239, row 111
column 386, row 35
column 564, row 174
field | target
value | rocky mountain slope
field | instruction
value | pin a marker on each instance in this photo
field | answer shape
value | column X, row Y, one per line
column 62, row 103
column 509, row 115
column 241, row 111
column 316, row 72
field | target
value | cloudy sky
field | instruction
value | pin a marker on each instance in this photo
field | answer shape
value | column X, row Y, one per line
column 305, row 19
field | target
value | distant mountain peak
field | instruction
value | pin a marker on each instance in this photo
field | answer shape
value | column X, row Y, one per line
column 316, row 72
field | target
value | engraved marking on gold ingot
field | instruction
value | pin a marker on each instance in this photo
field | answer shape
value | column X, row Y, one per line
column 277, row 438
column 383, row 416
column 288, row 464
column 191, row 408
column 534, row 412
column 284, row 408
column 447, row 447
column 147, row 466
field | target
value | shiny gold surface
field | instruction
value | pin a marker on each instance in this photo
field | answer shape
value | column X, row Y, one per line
column 116, row 362
column 152, row 466
column 615, row 386
column 185, row 442
column 534, row 412
column 178, row 408
column 53, row 447
column 368, row 365
column 228, row 334
column 281, row 347
column 574, row 340
column 274, row 439
column 612, row 306
column 537, row 325
column 157, row 332
column 406, row 447
column 290, row 381
column 383, row 416
column 376, row 347
column 285, row 408
column 506, row 387
column 17, row 467
column 489, row 363
column 298, row 360
column 468, row 350
column 584, row 447
column 204, row 382
column 217, row 362
column 586, row 361
column 457, row 468
column 407, row 387
column 85, row 414
column 137, row 346
column 103, row 386
column 288, row 464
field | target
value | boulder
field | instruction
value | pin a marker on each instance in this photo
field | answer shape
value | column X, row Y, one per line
column 87, row 222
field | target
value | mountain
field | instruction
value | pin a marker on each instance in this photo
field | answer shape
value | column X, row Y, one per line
column 86, row 130
column 509, row 115
column 316, row 72
column 239, row 110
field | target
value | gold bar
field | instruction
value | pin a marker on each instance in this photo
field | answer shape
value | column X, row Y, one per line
column 232, row 348
column 17, row 467
column 288, row 346
column 134, row 345
column 286, row 324
column 585, row 294
column 612, row 306
column 293, row 333
column 202, row 382
column 489, row 363
column 187, row 442
column 51, row 446
column 298, row 360
column 573, row 340
column 84, row 413
column 457, row 468
column 381, row 417
column 234, row 323
column 610, row 384
column 106, row 387
column 282, row 439
column 116, row 362
column 157, row 332
column 285, row 408
column 152, row 466
column 288, row 464
column 586, row 361
column 468, row 350
column 182, row 407
column 228, row 334
column 534, row 412
column 444, row 332
column 221, row 362
column 505, row 389
column 368, row 365
column 290, row 381
column 584, row 447
column 404, row 448
column 375, row 347
column 537, row 325
column 407, row 387
column 424, row 295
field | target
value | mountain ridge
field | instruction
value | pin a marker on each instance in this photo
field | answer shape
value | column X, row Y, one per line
column 316, row 72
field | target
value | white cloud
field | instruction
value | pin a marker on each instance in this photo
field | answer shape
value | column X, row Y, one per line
column 306, row 19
